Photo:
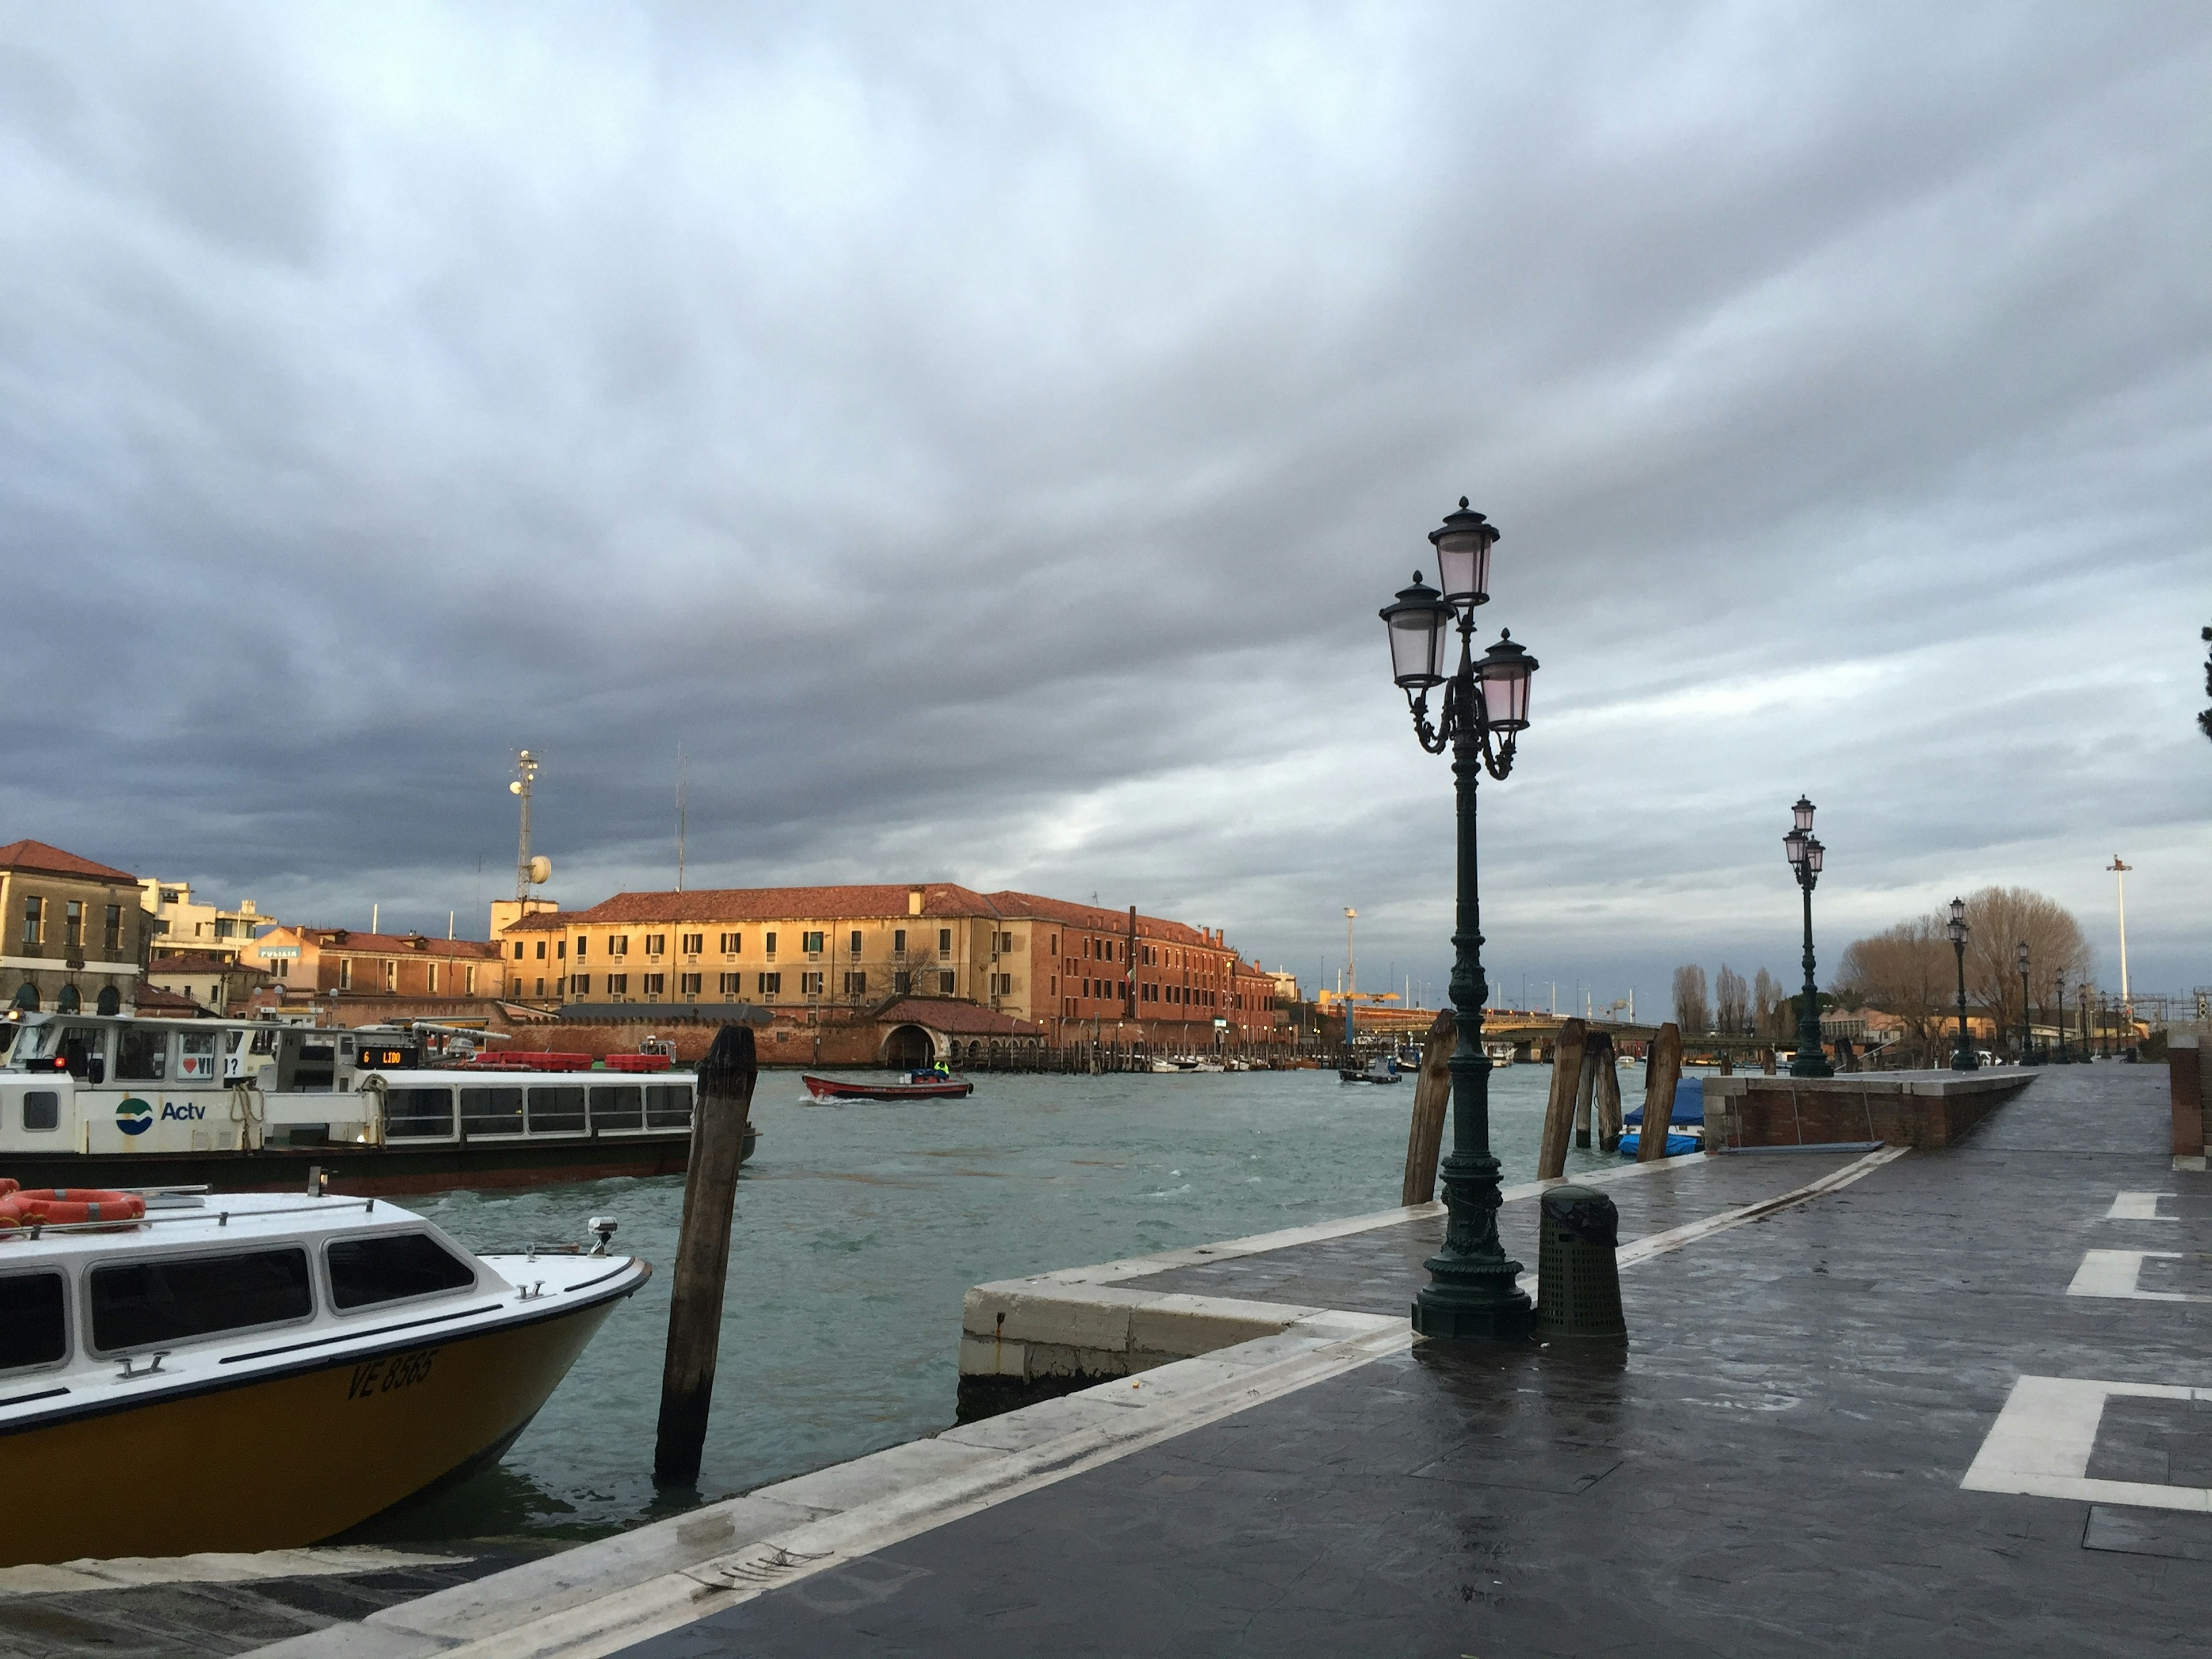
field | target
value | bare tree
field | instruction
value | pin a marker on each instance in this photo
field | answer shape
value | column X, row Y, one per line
column 1766, row 998
column 1905, row 970
column 2000, row 920
column 1690, row 1011
column 1731, row 1000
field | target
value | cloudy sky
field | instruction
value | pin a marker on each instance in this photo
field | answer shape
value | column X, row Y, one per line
column 980, row 437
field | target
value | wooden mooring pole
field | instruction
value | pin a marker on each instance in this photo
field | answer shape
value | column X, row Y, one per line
column 1559, row 1110
column 1432, row 1100
column 703, row 1253
column 1661, row 1072
column 1609, row 1100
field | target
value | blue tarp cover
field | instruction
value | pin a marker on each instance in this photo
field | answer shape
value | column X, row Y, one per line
column 1689, row 1103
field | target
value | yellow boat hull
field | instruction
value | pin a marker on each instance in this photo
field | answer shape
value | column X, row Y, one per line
column 282, row 1462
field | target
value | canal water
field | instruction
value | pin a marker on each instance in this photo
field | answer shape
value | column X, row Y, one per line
column 861, row 1225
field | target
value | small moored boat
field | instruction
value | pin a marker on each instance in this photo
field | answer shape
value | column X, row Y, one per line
column 1378, row 1071
column 183, row 1372
column 920, row 1085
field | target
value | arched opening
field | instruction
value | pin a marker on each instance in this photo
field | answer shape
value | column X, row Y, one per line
column 27, row 999
column 67, row 1001
column 910, row 1049
column 111, row 1000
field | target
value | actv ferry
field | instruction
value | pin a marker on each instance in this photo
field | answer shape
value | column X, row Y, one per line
column 258, row 1371
column 88, row 1100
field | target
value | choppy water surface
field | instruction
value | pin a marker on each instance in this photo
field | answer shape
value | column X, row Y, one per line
column 859, row 1228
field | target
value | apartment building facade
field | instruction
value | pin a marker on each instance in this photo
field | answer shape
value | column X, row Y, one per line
column 178, row 924
column 76, row 937
column 1079, row 971
column 340, row 962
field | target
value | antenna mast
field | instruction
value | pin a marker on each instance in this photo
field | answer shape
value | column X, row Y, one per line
column 526, row 773
column 2120, row 875
column 683, row 810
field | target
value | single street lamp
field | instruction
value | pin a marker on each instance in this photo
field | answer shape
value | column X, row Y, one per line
column 2060, row 1001
column 1804, row 851
column 1962, row 1059
column 2026, row 1016
column 1471, row 1290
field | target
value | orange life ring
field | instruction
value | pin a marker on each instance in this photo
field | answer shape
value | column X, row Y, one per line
column 7, row 1185
column 73, row 1205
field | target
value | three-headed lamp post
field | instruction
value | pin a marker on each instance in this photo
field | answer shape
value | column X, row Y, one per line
column 1962, row 1057
column 1471, row 1290
column 1805, row 852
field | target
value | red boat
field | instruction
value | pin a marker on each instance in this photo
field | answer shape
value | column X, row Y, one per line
column 924, row 1086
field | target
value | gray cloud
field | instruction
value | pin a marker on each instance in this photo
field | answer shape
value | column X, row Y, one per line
column 982, row 440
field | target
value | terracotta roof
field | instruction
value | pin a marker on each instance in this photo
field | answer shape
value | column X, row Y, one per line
column 879, row 901
column 37, row 855
column 1033, row 905
column 200, row 962
column 393, row 944
column 539, row 921
column 956, row 1018
column 153, row 999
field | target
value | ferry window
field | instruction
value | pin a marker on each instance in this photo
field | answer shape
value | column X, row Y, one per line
column 196, row 1056
column 142, row 1054
column 556, row 1110
column 42, row 1110
column 367, row 1271
column 491, row 1111
column 33, row 1321
column 137, row 1304
column 617, row 1106
column 417, row 1112
column 667, row 1106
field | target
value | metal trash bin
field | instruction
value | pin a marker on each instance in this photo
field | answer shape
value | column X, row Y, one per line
column 1577, row 1282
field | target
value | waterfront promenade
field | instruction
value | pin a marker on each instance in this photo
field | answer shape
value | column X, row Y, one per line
column 1951, row 1402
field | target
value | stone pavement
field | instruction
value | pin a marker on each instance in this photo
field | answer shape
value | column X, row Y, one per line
column 1818, row 1439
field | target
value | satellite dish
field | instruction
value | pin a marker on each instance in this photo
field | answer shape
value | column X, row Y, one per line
column 541, row 869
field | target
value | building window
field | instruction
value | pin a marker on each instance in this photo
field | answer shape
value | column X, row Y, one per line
column 580, row 984
column 655, row 944
column 731, row 984
column 541, row 986
column 541, row 950
column 469, row 982
column 688, row 984
column 391, row 976
column 111, row 938
column 856, row 984
column 656, row 985
column 810, row 943
column 899, row 941
column 944, row 941
column 617, row 985
column 518, row 950
column 771, row 984
column 561, row 950
column 345, row 973
column 945, row 983
column 582, row 942
column 617, row 944
column 34, row 920
column 434, row 979
column 732, row 943
column 224, row 927
column 902, row 981
column 810, row 985
column 1002, row 985
column 283, row 968
column 771, row 945
column 694, row 943
column 1005, row 946
column 856, row 942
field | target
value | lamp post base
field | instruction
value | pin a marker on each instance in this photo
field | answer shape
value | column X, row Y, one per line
column 1476, row 1312
column 1812, row 1065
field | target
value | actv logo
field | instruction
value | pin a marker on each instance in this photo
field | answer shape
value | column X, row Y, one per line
column 133, row 1117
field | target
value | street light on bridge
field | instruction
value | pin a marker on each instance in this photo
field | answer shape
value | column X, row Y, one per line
column 1805, row 852
column 1471, row 1290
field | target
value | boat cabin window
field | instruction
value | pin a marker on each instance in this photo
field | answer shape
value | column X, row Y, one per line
column 142, row 1054
column 557, row 1110
column 82, row 1049
column 42, row 1110
column 416, row 1112
column 33, row 1320
column 617, row 1106
column 306, row 1060
column 491, row 1111
column 365, row 1271
column 138, row 1304
column 667, row 1105
column 196, row 1056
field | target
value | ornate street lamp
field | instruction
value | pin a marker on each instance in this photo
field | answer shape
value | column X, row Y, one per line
column 1471, row 1290
column 1962, row 1058
column 2061, row 1005
column 1804, row 851
column 2027, row 1014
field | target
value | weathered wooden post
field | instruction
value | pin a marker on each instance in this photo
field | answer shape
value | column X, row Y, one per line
column 1661, row 1073
column 1431, row 1098
column 1597, row 1050
column 1559, row 1109
column 703, row 1253
column 1609, row 1101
